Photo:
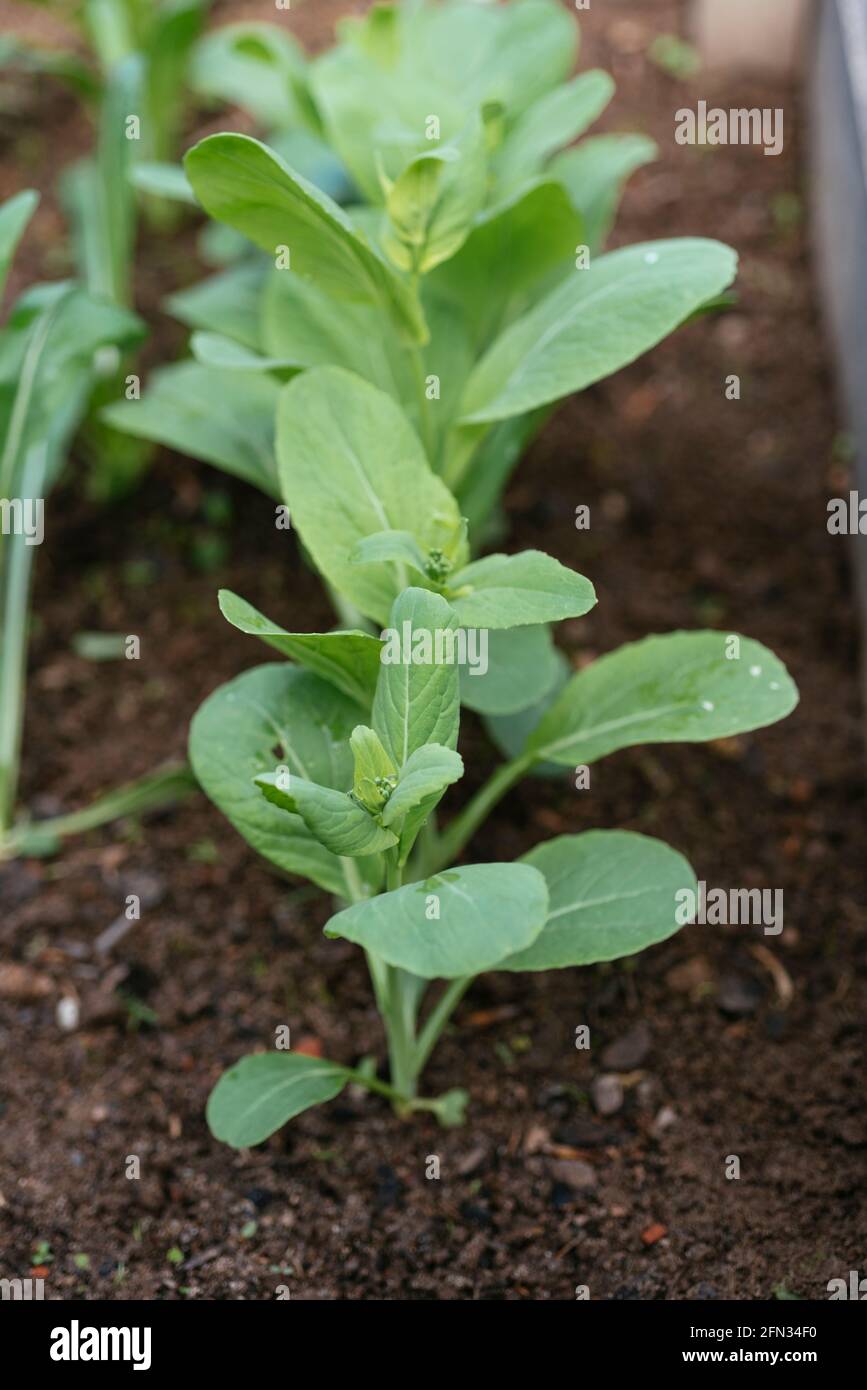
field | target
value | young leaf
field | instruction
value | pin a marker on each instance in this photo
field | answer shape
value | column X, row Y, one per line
column 426, row 772
column 417, row 699
column 521, row 668
column 431, row 205
column 507, row 591
column 400, row 547
column 15, row 213
column 226, row 354
column 552, row 122
column 375, row 774
column 227, row 303
column 266, row 716
column 352, row 466
column 680, row 688
column 243, row 183
column 595, row 323
column 333, row 817
column 260, row 1093
column 258, row 67
column 594, row 173
column 349, row 660
column 612, row 893
column 223, row 417
column 457, row 923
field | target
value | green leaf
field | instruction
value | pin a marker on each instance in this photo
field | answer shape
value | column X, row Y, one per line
column 15, row 213
column 333, row 817
column 352, row 466
column 559, row 117
column 375, row 774
column 225, row 354
column 416, row 699
column 432, row 204
column 390, row 546
column 457, row 923
column 258, row 67
column 223, row 417
column 169, row 40
column 612, row 893
column 521, row 668
column 595, row 323
column 509, row 732
column 259, row 1094
column 508, row 591
column 594, row 174
column 526, row 237
column 303, row 324
column 277, row 714
column 349, row 660
column 680, row 688
column 227, row 303
column 426, row 772
column 163, row 180
column 243, row 183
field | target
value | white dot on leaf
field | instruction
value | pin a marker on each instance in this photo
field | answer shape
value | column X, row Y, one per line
column 707, row 704
column 755, row 670
column 775, row 685
column 651, row 257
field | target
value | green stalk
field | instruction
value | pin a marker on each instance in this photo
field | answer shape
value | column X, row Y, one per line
column 157, row 789
column 16, row 584
column 438, row 1018
column 466, row 823
column 425, row 422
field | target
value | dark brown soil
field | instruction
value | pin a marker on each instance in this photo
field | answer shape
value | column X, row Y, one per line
column 705, row 512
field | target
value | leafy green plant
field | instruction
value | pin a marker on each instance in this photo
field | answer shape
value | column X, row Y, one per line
column 48, row 352
column 134, row 81
column 332, row 764
column 465, row 277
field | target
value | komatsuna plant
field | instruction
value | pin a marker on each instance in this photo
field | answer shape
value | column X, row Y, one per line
column 469, row 283
column 332, row 764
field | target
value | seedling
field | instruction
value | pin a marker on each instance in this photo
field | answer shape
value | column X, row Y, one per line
column 332, row 766
column 49, row 345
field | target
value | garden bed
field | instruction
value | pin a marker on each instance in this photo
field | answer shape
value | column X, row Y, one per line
column 706, row 512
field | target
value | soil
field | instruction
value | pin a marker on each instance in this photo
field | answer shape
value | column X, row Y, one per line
column 705, row 511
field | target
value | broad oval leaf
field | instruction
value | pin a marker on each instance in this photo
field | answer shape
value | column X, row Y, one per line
column 351, row 466
column 241, row 182
column 521, row 668
column 277, row 714
column 223, row 417
column 417, row 694
column 612, row 893
column 594, row 323
column 486, row 912
column 680, row 688
column 257, row 1096
column 516, row 590
column 426, row 772
column 349, row 660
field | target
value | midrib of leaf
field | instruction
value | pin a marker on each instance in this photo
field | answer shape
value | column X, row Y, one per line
column 594, row 730
column 583, row 903
column 265, row 1096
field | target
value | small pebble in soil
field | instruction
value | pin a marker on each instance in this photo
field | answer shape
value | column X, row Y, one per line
column 572, row 1173
column 664, row 1120
column 738, row 994
column 607, row 1093
column 629, row 1050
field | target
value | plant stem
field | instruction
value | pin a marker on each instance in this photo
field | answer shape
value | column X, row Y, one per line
column 171, row 784
column 425, row 425
column 465, row 824
column 438, row 1018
